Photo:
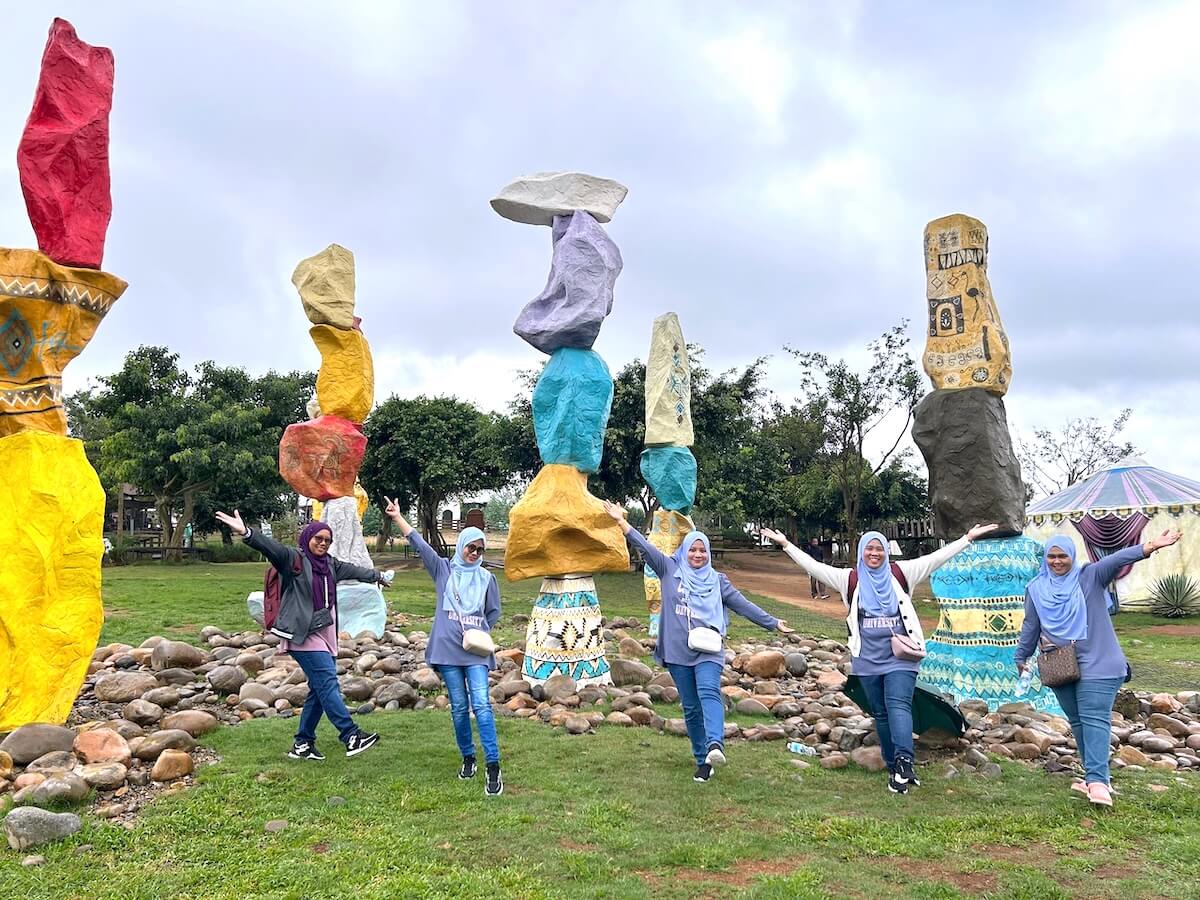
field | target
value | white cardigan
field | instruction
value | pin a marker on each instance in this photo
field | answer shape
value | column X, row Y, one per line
column 915, row 571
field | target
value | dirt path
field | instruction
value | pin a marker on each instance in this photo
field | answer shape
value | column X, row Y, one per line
column 775, row 576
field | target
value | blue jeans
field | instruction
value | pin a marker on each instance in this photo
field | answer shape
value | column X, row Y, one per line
column 890, row 696
column 324, row 696
column 1088, row 705
column 699, row 689
column 472, row 680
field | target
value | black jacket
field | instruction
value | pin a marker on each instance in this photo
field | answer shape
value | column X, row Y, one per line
column 295, row 590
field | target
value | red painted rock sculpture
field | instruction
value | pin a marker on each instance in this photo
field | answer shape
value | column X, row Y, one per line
column 63, row 154
column 320, row 458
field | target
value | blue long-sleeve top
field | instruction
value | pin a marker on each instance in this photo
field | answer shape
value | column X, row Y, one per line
column 1099, row 654
column 445, row 635
column 674, row 625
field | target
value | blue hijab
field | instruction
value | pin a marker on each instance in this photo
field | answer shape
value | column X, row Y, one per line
column 470, row 580
column 702, row 586
column 876, row 592
column 1058, row 598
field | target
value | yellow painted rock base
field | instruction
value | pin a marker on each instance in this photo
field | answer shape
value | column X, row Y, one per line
column 558, row 528
column 965, row 342
column 48, row 313
column 346, row 380
column 51, row 529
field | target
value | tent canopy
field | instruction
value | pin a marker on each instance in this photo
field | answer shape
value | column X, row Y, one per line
column 1131, row 483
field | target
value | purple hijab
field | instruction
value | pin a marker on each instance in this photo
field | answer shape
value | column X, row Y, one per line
column 320, row 565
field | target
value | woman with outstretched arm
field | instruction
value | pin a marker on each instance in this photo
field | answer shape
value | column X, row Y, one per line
column 696, row 602
column 878, row 606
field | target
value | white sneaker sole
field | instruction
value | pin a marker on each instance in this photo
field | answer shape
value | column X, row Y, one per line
column 362, row 749
column 488, row 793
column 715, row 757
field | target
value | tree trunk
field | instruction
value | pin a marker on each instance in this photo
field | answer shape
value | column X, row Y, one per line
column 226, row 535
column 427, row 508
column 120, row 511
column 385, row 534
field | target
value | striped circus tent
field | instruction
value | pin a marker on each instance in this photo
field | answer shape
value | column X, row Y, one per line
column 1121, row 506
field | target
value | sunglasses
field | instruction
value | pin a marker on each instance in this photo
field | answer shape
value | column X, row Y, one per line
column 473, row 548
column 326, row 541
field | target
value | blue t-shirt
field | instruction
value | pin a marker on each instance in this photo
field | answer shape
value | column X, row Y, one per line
column 875, row 655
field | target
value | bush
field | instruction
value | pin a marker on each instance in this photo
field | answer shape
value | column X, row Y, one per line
column 235, row 552
column 1175, row 596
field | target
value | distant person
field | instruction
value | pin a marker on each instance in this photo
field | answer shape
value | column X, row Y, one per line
column 696, row 598
column 308, row 618
column 878, row 608
column 1068, row 604
column 468, row 598
column 815, row 551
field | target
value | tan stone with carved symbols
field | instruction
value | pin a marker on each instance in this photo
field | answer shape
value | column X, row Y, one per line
column 965, row 343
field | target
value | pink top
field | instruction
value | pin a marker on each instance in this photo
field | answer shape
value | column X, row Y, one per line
column 325, row 639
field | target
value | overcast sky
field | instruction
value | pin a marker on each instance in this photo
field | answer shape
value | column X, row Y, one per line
column 782, row 161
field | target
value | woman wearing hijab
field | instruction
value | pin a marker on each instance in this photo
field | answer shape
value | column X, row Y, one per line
column 878, row 607
column 307, row 626
column 1068, row 604
column 696, row 596
column 468, row 597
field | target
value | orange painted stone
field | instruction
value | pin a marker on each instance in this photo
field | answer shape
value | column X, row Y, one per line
column 321, row 458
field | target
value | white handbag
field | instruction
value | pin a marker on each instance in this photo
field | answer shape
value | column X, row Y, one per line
column 479, row 642
column 703, row 639
column 475, row 641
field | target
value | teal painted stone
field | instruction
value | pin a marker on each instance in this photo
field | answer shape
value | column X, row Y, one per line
column 671, row 474
column 571, row 404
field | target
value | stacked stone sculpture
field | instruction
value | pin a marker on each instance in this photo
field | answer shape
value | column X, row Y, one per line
column 51, row 302
column 974, row 477
column 558, row 530
column 320, row 458
column 667, row 464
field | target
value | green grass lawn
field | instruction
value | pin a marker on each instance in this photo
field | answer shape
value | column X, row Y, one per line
column 610, row 814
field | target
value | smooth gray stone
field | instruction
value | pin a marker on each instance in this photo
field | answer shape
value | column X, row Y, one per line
column 29, row 826
column 579, row 292
column 538, row 199
column 974, row 475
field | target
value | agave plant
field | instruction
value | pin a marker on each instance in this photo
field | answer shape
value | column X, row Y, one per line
column 1175, row 596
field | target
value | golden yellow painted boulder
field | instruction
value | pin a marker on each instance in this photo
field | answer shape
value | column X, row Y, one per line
column 51, row 529
column 965, row 343
column 361, row 501
column 48, row 313
column 346, row 379
column 326, row 285
column 558, row 528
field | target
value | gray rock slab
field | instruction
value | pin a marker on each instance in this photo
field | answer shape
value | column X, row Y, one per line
column 537, row 199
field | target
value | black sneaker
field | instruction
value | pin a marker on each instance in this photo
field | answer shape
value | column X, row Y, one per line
column 703, row 773
column 905, row 773
column 468, row 768
column 495, row 783
column 360, row 741
column 305, row 750
column 716, row 756
column 895, row 785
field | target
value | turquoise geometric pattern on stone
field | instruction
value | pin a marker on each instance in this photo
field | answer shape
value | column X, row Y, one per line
column 972, row 652
column 564, row 635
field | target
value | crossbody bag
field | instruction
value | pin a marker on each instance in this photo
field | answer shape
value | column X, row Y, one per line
column 1057, row 666
column 475, row 641
column 703, row 639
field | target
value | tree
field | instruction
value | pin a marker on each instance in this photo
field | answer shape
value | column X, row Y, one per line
column 1058, row 459
column 854, row 405
column 428, row 449
column 189, row 441
column 620, row 476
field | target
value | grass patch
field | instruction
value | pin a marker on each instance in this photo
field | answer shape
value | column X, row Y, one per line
column 612, row 814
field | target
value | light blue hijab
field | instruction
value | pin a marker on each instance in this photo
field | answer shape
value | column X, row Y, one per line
column 702, row 585
column 1058, row 598
column 876, row 593
column 470, row 580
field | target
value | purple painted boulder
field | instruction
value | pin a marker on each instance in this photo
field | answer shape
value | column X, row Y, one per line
column 579, row 292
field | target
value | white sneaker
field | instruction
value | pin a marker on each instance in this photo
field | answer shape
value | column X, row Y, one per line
column 716, row 756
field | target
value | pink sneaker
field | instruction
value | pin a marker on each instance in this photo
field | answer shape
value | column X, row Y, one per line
column 1099, row 794
column 1079, row 787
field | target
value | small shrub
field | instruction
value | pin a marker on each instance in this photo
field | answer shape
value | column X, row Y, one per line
column 235, row 552
column 1175, row 596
